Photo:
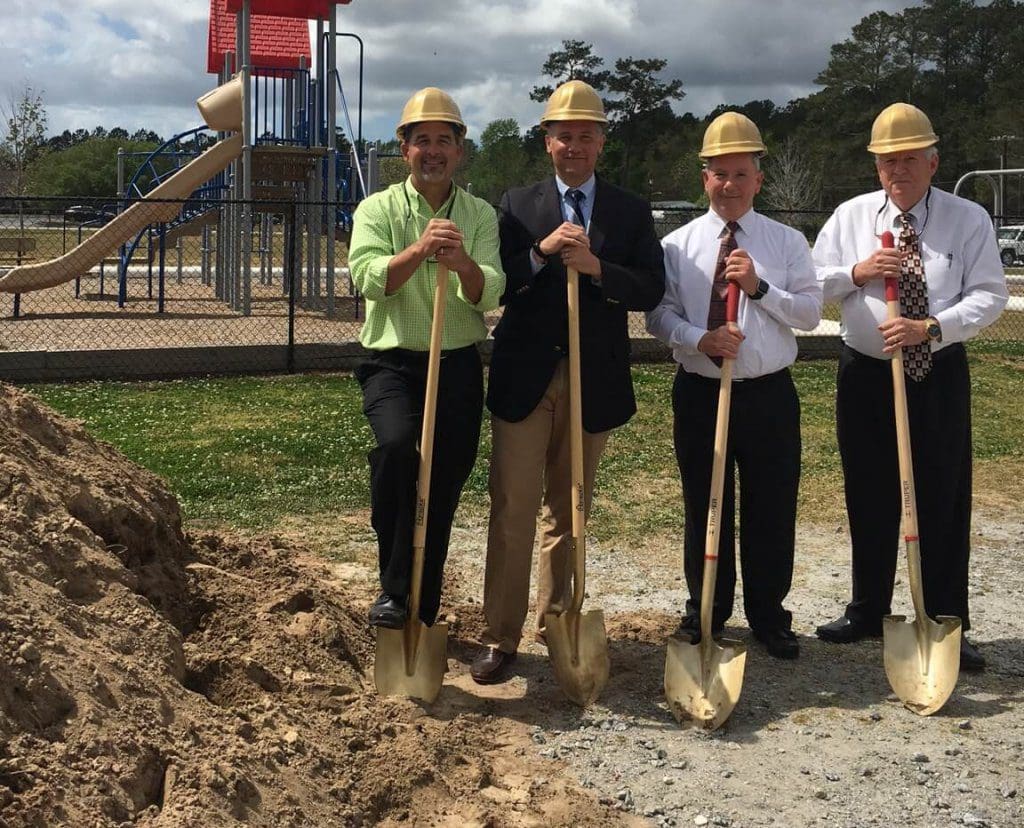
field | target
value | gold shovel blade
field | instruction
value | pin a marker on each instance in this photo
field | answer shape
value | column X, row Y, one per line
column 578, row 649
column 922, row 659
column 703, row 681
column 411, row 661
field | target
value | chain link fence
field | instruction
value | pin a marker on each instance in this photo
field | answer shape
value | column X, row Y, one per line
column 88, row 289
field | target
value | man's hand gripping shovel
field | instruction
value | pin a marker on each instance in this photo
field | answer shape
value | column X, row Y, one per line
column 922, row 657
column 703, row 680
column 412, row 661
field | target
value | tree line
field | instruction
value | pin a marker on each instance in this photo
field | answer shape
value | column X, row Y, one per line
column 958, row 60
column 72, row 163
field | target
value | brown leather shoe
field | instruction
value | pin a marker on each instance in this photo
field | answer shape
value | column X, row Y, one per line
column 491, row 666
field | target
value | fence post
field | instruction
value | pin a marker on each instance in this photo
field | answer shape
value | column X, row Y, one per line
column 290, row 264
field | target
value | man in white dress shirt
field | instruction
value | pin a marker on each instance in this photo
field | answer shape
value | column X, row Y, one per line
column 772, row 265
column 964, row 290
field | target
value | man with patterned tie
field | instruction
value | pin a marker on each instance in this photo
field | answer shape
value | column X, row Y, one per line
column 772, row 265
column 951, row 285
column 574, row 219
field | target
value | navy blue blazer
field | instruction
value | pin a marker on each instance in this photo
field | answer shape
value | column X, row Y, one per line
column 532, row 335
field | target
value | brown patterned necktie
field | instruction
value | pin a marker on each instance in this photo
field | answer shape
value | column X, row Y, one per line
column 917, row 359
column 720, row 285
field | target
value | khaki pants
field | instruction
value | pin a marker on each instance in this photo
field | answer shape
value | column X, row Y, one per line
column 530, row 469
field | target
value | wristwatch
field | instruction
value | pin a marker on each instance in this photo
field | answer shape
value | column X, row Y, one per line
column 538, row 252
column 762, row 289
column 933, row 329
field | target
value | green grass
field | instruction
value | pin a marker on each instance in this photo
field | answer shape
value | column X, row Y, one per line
column 258, row 453
column 240, row 451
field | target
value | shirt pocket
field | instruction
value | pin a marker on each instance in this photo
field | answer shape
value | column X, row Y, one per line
column 944, row 270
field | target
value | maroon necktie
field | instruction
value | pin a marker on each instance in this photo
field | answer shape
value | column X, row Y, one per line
column 917, row 359
column 720, row 285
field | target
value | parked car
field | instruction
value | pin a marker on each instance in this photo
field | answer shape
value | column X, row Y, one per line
column 1011, row 243
column 87, row 214
column 660, row 210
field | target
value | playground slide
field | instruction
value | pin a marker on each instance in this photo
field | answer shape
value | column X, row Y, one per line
column 105, row 241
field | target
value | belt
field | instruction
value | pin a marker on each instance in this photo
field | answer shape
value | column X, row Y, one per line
column 937, row 356
column 405, row 355
column 745, row 381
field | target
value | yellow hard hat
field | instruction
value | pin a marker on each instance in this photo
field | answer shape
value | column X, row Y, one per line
column 731, row 132
column 574, row 101
column 899, row 127
column 430, row 104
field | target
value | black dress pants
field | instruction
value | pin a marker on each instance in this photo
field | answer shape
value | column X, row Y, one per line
column 939, row 408
column 394, row 387
column 764, row 444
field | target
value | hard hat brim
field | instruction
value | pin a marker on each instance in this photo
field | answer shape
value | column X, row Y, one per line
column 572, row 115
column 427, row 117
column 732, row 148
column 902, row 144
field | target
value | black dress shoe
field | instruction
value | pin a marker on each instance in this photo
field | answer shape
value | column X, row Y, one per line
column 491, row 666
column 845, row 631
column 779, row 642
column 689, row 629
column 388, row 611
column 971, row 658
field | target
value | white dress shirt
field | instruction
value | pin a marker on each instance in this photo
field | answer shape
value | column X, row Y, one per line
column 781, row 257
column 966, row 283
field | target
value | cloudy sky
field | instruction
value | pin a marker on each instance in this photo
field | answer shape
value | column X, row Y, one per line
column 142, row 63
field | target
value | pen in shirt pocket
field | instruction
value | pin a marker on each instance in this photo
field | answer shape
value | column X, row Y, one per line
column 949, row 260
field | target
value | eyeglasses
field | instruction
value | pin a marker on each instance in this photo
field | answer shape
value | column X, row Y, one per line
column 927, row 213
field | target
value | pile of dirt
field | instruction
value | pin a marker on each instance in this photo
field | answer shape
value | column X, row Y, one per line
column 152, row 678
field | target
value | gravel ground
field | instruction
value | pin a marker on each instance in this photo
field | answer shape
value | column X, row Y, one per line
column 818, row 741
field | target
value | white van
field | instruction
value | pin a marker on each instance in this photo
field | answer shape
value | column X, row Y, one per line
column 1011, row 244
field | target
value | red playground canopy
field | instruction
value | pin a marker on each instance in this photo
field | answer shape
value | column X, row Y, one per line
column 275, row 42
column 305, row 9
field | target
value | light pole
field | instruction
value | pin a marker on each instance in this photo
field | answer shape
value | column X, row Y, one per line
column 1005, row 140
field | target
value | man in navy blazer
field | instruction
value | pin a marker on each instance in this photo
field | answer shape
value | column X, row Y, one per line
column 573, row 219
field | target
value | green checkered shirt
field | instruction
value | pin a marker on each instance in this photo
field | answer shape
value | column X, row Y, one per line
column 385, row 224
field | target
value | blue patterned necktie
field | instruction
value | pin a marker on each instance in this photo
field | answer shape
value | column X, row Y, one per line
column 576, row 199
column 917, row 359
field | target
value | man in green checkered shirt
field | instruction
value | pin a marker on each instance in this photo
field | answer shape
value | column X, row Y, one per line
column 399, row 238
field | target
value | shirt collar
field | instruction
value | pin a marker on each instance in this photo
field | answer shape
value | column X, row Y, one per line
column 416, row 197
column 746, row 221
column 918, row 211
column 588, row 188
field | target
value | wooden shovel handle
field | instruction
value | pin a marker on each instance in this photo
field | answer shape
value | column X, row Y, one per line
column 714, row 524
column 419, row 532
column 899, row 388
column 906, row 459
column 579, row 523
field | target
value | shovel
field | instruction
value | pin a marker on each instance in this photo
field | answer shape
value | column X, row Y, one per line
column 703, row 680
column 577, row 643
column 412, row 661
column 922, row 658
